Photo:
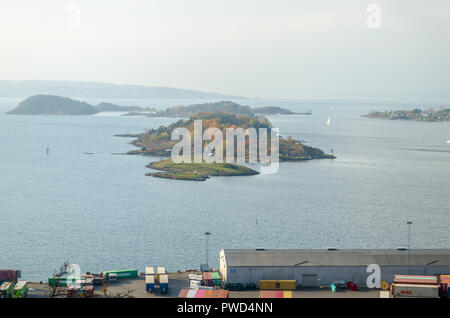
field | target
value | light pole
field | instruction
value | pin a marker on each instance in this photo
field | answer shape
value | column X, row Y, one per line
column 409, row 244
column 207, row 234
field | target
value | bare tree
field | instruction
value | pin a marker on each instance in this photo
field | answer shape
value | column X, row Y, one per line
column 57, row 289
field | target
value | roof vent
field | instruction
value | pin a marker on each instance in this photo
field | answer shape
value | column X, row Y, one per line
column 402, row 248
column 332, row 249
column 260, row 249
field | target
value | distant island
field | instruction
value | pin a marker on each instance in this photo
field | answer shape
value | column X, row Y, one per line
column 57, row 105
column 272, row 110
column 52, row 105
column 223, row 106
column 430, row 115
column 157, row 142
column 101, row 90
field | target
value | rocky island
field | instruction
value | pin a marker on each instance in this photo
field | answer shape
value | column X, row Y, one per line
column 157, row 142
column 430, row 115
column 58, row 105
column 52, row 105
column 223, row 106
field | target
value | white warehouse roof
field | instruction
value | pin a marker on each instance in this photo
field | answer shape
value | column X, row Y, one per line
column 348, row 257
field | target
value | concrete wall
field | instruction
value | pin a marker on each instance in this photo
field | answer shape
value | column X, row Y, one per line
column 325, row 275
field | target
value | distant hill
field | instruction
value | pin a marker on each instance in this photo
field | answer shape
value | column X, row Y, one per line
column 52, row 105
column 100, row 90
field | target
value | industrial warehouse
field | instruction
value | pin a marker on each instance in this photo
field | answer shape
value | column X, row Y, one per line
column 315, row 268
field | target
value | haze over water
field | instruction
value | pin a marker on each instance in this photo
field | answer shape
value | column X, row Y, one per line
column 100, row 211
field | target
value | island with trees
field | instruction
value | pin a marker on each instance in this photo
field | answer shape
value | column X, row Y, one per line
column 58, row 105
column 158, row 142
column 430, row 115
column 222, row 106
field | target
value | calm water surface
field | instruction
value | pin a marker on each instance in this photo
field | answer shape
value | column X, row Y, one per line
column 85, row 203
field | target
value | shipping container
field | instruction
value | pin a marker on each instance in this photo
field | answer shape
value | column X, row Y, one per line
column 163, row 283
column 191, row 293
column 195, row 277
column 183, row 293
column 149, row 271
column 6, row 290
column 161, row 271
column 215, row 278
column 63, row 281
column 414, row 279
column 21, row 289
column 121, row 274
column 278, row 284
column 149, row 283
column 218, row 293
column 200, row 293
column 194, row 284
column 445, row 279
column 9, row 275
column 414, row 290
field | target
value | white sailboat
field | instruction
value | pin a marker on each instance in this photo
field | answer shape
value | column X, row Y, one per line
column 448, row 141
column 329, row 121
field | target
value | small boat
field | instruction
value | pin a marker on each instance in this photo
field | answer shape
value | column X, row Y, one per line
column 329, row 121
column 448, row 141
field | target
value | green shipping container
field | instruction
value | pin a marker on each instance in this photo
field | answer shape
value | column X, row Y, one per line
column 62, row 281
column 125, row 273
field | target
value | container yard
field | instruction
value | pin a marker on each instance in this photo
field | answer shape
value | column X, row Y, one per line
column 260, row 274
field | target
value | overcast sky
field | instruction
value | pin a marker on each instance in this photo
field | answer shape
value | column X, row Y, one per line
column 264, row 48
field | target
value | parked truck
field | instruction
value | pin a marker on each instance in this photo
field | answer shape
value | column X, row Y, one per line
column 121, row 274
column 163, row 283
column 21, row 289
column 6, row 290
column 149, row 283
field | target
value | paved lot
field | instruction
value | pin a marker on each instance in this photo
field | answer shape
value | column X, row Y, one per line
column 178, row 281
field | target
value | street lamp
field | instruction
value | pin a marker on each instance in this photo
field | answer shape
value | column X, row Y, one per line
column 409, row 244
column 207, row 234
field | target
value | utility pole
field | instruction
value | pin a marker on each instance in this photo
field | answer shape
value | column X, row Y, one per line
column 207, row 234
column 409, row 243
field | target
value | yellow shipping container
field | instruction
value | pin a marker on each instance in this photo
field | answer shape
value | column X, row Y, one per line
column 278, row 284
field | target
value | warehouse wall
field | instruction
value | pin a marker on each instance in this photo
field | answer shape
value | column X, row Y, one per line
column 325, row 275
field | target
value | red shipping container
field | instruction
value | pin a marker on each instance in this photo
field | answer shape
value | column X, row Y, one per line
column 9, row 275
column 199, row 293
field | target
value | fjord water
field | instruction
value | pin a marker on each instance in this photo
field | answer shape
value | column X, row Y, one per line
column 85, row 203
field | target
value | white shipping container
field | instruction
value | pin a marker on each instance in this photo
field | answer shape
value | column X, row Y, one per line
column 149, row 271
column 415, row 291
column 195, row 284
column 195, row 277
column 149, row 279
column 161, row 270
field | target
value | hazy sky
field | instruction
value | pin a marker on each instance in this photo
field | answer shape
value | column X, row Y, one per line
column 264, row 48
